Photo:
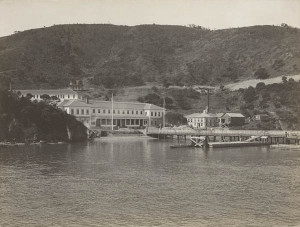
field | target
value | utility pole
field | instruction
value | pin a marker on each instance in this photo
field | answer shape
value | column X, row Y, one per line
column 164, row 114
column 112, row 111
column 207, row 100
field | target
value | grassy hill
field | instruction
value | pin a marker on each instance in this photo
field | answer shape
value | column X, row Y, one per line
column 118, row 56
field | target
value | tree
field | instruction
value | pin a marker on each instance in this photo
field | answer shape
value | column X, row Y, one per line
column 260, row 86
column 54, row 98
column 175, row 118
column 166, row 83
column 250, row 95
column 45, row 97
column 261, row 73
column 29, row 96
column 284, row 79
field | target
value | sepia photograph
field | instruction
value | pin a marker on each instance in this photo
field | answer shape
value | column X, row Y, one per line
column 145, row 113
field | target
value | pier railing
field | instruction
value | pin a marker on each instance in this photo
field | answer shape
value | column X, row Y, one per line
column 222, row 132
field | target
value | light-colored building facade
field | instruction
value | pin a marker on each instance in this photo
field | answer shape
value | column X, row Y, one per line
column 207, row 120
column 62, row 94
column 202, row 120
column 104, row 114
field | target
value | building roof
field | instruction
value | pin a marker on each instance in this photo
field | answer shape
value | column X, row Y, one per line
column 262, row 115
column 73, row 103
column 219, row 114
column 234, row 115
column 117, row 105
column 48, row 91
column 204, row 115
column 152, row 107
column 93, row 103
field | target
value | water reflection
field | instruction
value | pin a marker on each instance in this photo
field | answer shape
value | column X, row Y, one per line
column 134, row 181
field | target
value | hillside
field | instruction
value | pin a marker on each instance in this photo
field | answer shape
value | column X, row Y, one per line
column 22, row 120
column 118, row 56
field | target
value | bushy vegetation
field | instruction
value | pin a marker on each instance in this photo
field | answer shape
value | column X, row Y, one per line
column 174, row 118
column 117, row 56
column 21, row 121
column 157, row 100
column 281, row 101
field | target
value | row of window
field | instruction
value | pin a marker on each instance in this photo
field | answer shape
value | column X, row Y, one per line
column 80, row 112
column 123, row 122
column 99, row 111
column 108, row 111
column 58, row 96
column 202, row 120
column 155, row 114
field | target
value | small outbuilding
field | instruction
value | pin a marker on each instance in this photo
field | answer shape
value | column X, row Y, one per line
column 232, row 119
column 261, row 117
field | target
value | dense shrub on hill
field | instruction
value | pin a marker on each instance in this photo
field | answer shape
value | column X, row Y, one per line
column 280, row 99
column 127, row 56
column 174, row 118
column 22, row 120
column 261, row 73
column 156, row 100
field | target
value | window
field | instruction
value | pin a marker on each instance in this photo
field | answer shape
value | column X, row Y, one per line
column 103, row 111
column 151, row 114
column 87, row 111
column 94, row 111
column 127, row 111
column 118, row 111
column 108, row 111
column 159, row 114
column 137, row 112
column 114, row 111
column 132, row 112
column 103, row 121
column 132, row 122
column 141, row 112
column 73, row 96
column 82, row 111
column 68, row 96
column 72, row 111
column 98, row 110
column 77, row 111
column 123, row 111
column 155, row 114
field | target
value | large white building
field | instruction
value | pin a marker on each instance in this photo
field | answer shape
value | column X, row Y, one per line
column 104, row 114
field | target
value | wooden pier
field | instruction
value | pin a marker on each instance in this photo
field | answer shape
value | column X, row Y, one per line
column 226, row 135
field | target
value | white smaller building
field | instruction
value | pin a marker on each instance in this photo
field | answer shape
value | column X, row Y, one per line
column 62, row 94
column 202, row 120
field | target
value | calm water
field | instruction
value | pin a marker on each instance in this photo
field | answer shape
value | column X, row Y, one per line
column 140, row 182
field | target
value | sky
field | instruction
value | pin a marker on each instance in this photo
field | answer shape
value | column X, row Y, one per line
column 20, row 15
